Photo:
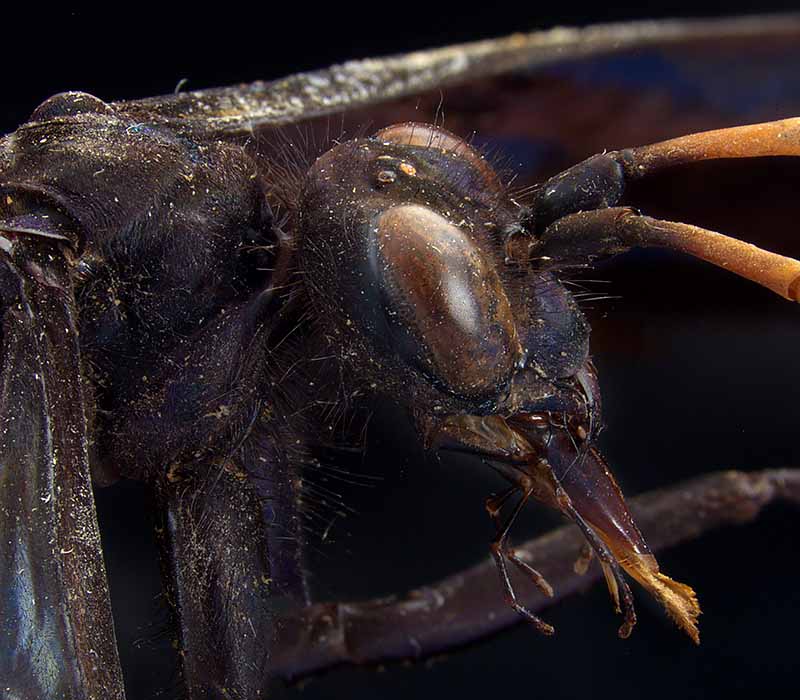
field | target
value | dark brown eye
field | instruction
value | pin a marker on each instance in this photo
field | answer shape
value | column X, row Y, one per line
column 444, row 302
column 430, row 136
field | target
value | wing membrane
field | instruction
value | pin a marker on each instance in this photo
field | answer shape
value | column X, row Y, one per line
column 56, row 631
column 357, row 84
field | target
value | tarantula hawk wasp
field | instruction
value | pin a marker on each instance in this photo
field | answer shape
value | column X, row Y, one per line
column 148, row 288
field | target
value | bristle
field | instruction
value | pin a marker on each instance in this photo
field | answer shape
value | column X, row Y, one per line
column 679, row 600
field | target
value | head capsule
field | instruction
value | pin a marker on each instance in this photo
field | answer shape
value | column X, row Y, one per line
column 402, row 246
column 415, row 260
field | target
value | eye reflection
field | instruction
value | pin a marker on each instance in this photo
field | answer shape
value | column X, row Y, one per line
column 462, row 305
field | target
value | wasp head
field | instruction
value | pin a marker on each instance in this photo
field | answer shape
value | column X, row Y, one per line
column 418, row 264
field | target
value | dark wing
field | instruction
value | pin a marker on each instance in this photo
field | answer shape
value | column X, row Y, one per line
column 357, row 84
column 56, row 631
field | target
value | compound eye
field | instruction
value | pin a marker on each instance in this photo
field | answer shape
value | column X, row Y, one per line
column 446, row 308
column 434, row 137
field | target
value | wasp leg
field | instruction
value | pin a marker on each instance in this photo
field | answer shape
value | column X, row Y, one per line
column 493, row 506
column 540, row 581
column 620, row 590
column 500, row 552
column 229, row 570
column 495, row 503
column 217, row 579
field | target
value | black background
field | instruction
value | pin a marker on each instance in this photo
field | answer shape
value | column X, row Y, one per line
column 712, row 383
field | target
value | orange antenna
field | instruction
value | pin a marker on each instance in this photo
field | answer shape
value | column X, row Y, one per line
column 778, row 138
column 579, row 238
